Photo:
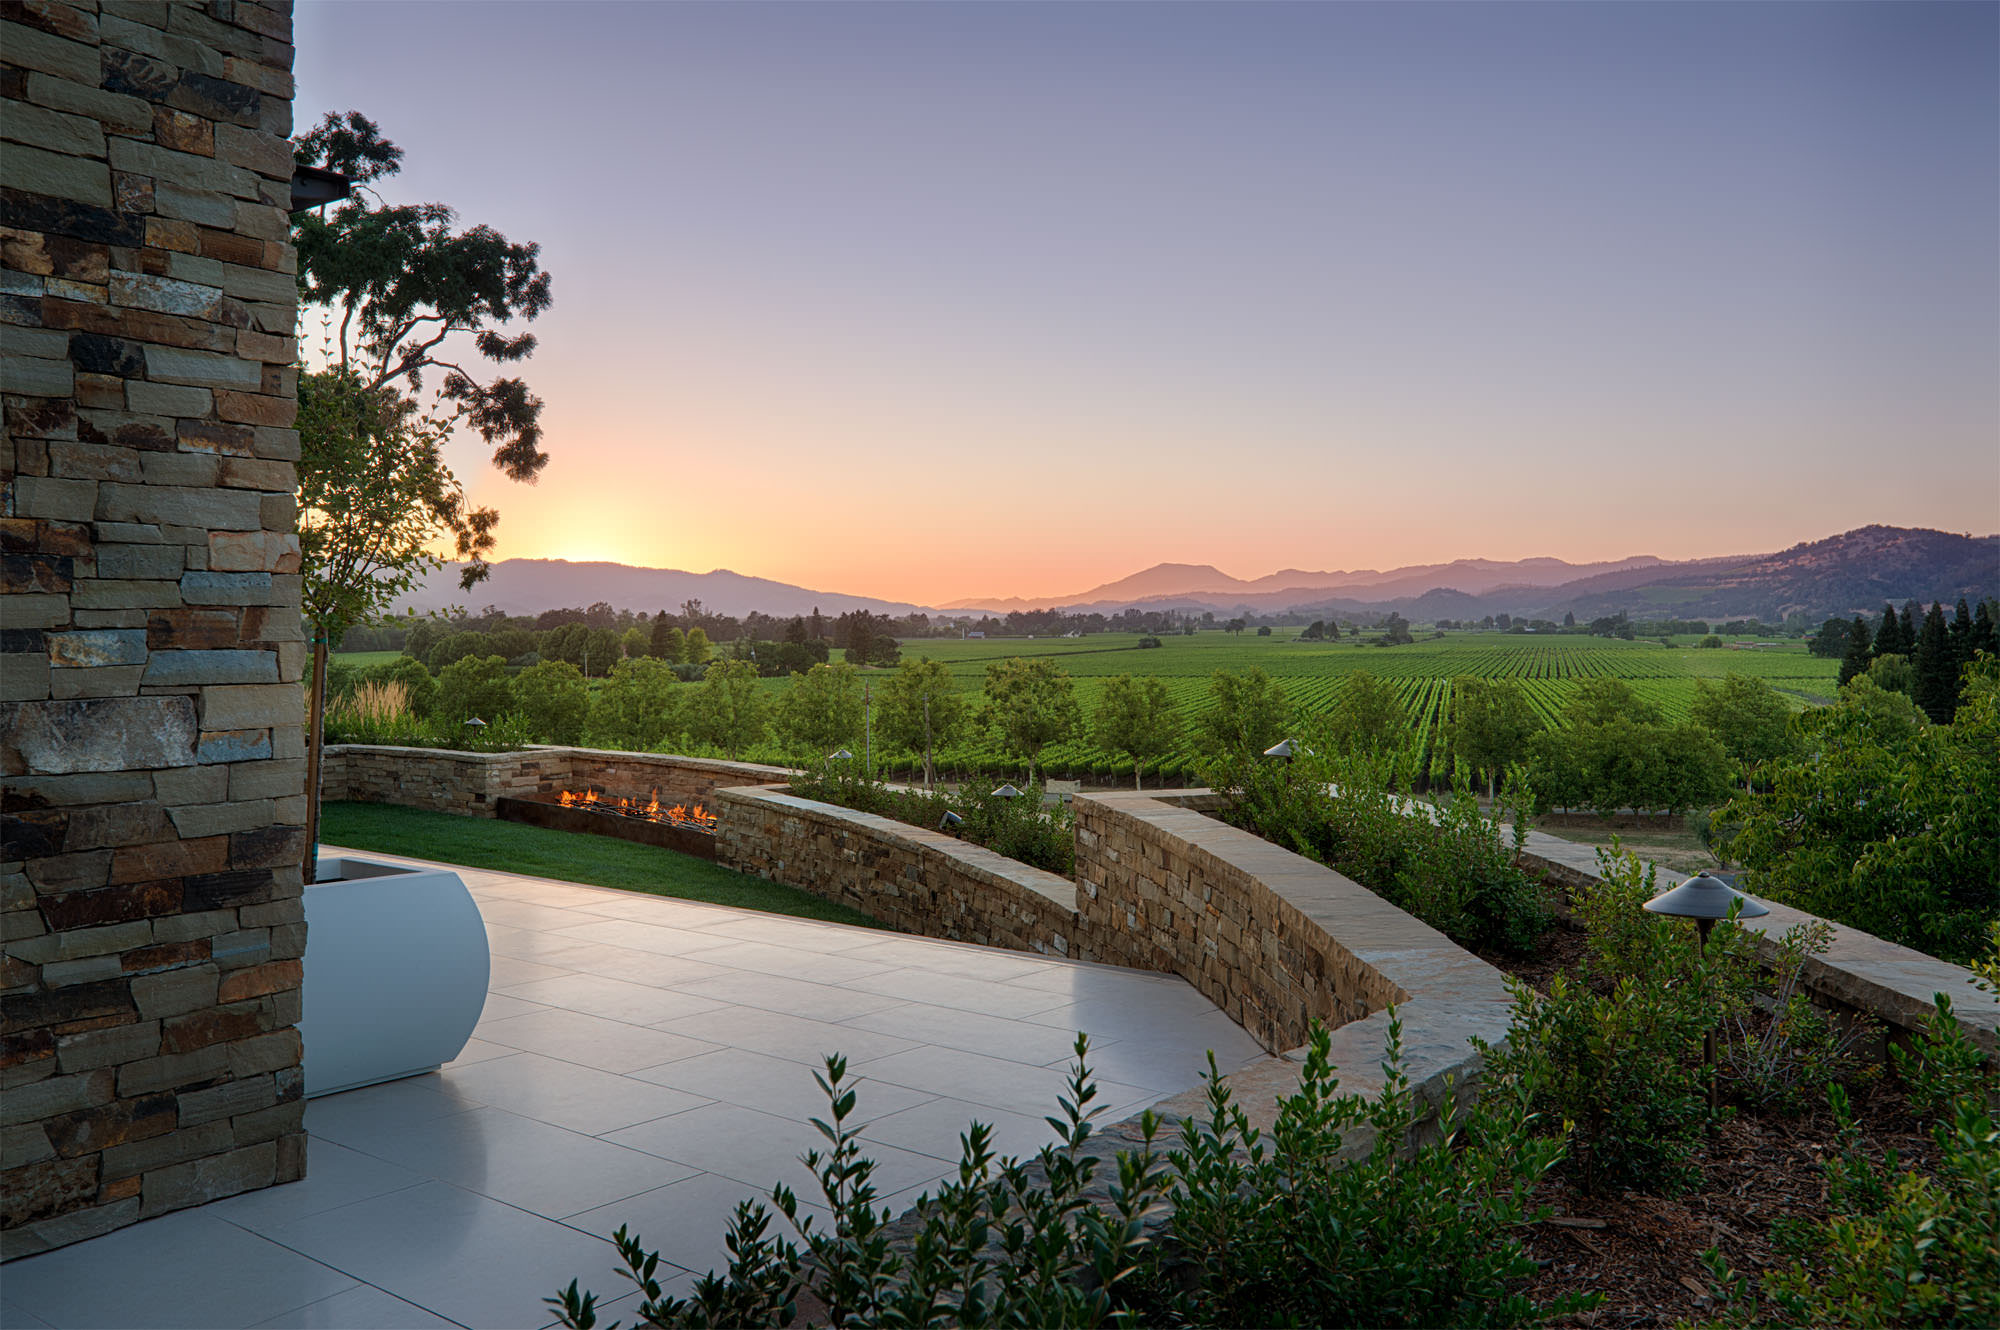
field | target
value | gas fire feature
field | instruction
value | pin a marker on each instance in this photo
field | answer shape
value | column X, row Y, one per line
column 688, row 828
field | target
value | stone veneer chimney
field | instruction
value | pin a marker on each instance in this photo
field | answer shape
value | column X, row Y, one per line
column 149, row 701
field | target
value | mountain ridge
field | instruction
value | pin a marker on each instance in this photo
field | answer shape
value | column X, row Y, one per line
column 1206, row 579
column 1853, row 572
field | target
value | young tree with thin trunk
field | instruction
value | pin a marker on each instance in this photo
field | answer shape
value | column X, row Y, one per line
column 920, row 710
column 1032, row 704
column 1491, row 724
column 1137, row 717
column 1247, row 713
column 375, row 499
column 728, row 709
column 1748, row 718
column 1367, row 717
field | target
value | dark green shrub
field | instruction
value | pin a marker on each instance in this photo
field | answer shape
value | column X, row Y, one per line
column 1280, row 1230
column 997, row 1246
column 1616, row 1051
column 1277, row 1230
column 1623, row 1069
column 1943, row 1067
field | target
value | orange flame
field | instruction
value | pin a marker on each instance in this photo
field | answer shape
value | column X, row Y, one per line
column 650, row 808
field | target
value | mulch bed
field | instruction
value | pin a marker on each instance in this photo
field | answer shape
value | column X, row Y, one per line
column 1644, row 1253
column 1559, row 951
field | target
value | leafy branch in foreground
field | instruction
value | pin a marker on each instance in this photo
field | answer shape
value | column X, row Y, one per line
column 1281, row 1229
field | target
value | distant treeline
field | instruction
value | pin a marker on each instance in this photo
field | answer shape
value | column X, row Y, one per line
column 622, row 632
column 625, row 633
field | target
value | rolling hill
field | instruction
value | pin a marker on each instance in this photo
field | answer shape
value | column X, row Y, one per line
column 1852, row 573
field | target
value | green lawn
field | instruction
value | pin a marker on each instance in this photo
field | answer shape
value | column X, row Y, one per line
column 365, row 659
column 568, row 856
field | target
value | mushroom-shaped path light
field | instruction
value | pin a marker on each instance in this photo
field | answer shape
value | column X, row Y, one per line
column 1706, row 898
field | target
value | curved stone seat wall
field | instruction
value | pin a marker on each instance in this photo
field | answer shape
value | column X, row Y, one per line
column 1277, row 941
column 919, row 881
column 1271, row 938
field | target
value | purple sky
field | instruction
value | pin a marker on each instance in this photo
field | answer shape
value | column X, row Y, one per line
column 924, row 301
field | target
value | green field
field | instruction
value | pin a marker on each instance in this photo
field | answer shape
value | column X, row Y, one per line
column 364, row 659
column 1313, row 673
column 1548, row 668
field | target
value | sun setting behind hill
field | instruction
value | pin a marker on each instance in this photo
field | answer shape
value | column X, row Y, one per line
column 1311, row 286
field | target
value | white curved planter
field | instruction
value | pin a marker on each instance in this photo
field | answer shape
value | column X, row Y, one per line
column 395, row 973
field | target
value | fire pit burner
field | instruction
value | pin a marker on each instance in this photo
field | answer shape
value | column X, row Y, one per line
column 688, row 828
column 696, row 818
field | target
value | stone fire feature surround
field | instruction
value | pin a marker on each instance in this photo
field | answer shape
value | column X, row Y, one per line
column 150, row 723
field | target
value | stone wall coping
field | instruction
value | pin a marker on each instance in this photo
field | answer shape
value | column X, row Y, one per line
column 974, row 861
column 399, row 750
column 752, row 770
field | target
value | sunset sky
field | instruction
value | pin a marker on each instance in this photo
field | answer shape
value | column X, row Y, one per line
column 932, row 301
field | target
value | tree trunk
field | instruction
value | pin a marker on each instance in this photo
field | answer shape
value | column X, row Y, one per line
column 1137, row 783
column 315, row 745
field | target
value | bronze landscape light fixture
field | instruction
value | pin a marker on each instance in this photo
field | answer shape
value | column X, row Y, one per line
column 1284, row 750
column 1706, row 898
column 1006, row 792
column 950, row 820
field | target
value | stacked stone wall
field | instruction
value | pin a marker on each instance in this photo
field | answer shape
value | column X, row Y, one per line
column 922, row 882
column 150, row 719
column 1271, row 938
column 470, row 784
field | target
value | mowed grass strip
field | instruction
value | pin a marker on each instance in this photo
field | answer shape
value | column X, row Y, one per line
column 568, row 856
